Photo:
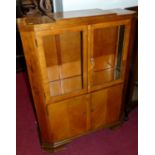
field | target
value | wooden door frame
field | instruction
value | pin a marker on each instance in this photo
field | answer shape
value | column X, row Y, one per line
column 42, row 60
column 91, row 28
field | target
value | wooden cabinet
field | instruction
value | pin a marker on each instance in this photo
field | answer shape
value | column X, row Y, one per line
column 78, row 68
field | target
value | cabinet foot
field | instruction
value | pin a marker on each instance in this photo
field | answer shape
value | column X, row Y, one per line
column 52, row 149
column 116, row 126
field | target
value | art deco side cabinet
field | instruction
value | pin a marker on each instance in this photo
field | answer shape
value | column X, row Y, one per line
column 77, row 64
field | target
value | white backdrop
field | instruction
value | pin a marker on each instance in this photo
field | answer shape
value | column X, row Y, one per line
column 68, row 5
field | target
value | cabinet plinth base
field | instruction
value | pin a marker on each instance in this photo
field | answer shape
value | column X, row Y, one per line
column 116, row 126
column 52, row 148
column 60, row 146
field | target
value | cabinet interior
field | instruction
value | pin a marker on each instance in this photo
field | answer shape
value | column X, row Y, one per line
column 64, row 58
column 107, row 54
column 63, row 54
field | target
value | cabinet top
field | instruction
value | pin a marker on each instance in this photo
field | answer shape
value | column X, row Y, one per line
column 85, row 15
column 89, row 13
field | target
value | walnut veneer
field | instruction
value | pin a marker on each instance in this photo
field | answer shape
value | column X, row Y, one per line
column 78, row 67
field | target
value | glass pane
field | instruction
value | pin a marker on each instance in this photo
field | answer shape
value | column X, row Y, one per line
column 63, row 54
column 107, row 54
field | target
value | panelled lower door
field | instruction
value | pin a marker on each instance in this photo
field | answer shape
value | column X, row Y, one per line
column 106, row 106
column 69, row 118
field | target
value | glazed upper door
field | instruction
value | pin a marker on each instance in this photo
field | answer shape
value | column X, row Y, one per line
column 63, row 54
column 108, row 53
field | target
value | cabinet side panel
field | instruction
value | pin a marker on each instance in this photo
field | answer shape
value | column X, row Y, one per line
column 28, row 42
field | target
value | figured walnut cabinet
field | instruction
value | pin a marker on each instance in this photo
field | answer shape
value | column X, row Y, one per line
column 78, row 68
